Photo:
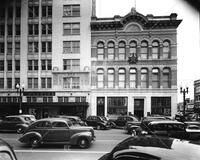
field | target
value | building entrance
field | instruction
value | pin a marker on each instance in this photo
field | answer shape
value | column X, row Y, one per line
column 100, row 106
column 139, row 108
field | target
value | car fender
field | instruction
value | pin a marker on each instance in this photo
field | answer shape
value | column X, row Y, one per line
column 27, row 136
column 24, row 126
column 75, row 137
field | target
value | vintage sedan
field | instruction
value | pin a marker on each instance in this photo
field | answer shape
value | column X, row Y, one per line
column 6, row 151
column 14, row 123
column 154, row 148
column 57, row 131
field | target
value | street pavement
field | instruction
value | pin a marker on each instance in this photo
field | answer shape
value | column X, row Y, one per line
column 104, row 143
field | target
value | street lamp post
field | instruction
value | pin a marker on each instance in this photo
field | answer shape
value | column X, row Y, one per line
column 20, row 90
column 184, row 91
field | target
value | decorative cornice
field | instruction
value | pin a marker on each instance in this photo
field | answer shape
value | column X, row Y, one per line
column 148, row 22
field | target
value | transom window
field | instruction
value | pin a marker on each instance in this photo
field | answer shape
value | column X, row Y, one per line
column 155, row 50
column 122, row 78
column 71, row 82
column 144, row 78
column 100, row 51
column 155, row 78
column 111, row 75
column 144, row 50
column 166, row 50
column 100, row 78
column 122, row 50
column 111, row 50
column 166, row 78
column 133, row 78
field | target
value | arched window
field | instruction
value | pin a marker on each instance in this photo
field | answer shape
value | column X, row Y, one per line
column 122, row 50
column 155, row 50
column 166, row 78
column 100, row 78
column 100, row 51
column 132, row 78
column 111, row 79
column 122, row 78
column 166, row 49
column 144, row 50
column 133, row 47
column 111, row 50
column 155, row 78
column 144, row 78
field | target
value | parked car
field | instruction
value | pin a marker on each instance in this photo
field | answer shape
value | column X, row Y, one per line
column 172, row 129
column 57, row 131
column 29, row 117
column 153, row 148
column 145, row 120
column 6, row 151
column 109, row 121
column 15, row 123
column 121, row 121
column 74, row 119
column 97, row 122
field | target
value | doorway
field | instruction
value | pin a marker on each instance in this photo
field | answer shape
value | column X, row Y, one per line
column 100, row 106
column 139, row 108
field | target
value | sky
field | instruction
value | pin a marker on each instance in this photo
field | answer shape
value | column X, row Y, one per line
column 188, row 32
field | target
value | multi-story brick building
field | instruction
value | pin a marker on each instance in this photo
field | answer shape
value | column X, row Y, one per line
column 134, row 64
column 45, row 46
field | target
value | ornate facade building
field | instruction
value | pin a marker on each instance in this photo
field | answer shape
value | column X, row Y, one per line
column 134, row 65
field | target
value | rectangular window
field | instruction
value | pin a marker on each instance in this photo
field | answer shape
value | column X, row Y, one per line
column 71, row 64
column 18, row 12
column 71, row 47
column 9, row 48
column 49, row 65
column 17, row 65
column 32, row 65
column 46, row 47
column 17, row 81
column 1, row 65
column 46, row 11
column 43, row 82
column 46, row 29
column 1, row 83
column 33, row 11
column 17, row 47
column 2, row 30
column 117, row 105
column 71, row 10
column 17, row 29
column 46, row 64
column 71, row 28
column 49, row 83
column 46, row 82
column 32, row 47
column 1, row 47
column 9, row 83
column 71, row 82
column 161, row 105
column 9, row 30
column 10, row 12
column 9, row 65
column 33, row 29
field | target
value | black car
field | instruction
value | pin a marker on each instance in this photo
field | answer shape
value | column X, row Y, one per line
column 173, row 129
column 153, row 148
column 6, row 151
column 121, row 121
column 15, row 123
column 97, row 122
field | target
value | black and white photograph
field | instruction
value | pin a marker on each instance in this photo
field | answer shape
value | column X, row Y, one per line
column 99, row 79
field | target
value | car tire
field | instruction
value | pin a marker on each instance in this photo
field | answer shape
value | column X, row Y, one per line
column 98, row 127
column 34, row 142
column 83, row 142
column 19, row 130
